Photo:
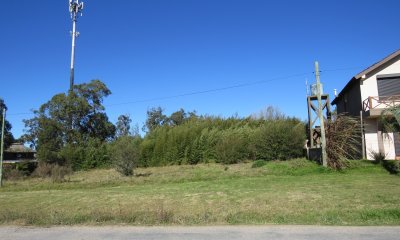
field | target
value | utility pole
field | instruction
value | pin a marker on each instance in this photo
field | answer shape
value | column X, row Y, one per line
column 75, row 8
column 2, row 146
column 321, row 117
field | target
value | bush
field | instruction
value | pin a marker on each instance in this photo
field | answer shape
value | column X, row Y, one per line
column 258, row 164
column 58, row 173
column 279, row 140
column 224, row 140
column 92, row 154
column 26, row 167
column 12, row 174
column 125, row 154
column 15, row 171
column 54, row 171
column 96, row 155
column 377, row 156
column 232, row 148
column 393, row 166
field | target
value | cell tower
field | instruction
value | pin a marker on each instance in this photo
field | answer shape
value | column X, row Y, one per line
column 75, row 8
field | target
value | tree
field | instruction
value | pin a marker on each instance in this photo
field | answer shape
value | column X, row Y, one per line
column 71, row 119
column 177, row 118
column 269, row 113
column 123, row 126
column 8, row 137
column 155, row 118
column 125, row 154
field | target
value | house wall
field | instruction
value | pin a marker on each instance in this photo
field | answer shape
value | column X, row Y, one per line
column 371, row 137
column 350, row 101
column 369, row 86
column 388, row 145
column 372, row 142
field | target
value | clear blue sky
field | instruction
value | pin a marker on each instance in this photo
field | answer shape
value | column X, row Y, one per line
column 156, row 48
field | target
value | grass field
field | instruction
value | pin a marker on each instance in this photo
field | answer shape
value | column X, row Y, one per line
column 291, row 192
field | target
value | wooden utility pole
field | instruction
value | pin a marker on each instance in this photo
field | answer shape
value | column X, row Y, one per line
column 2, row 146
column 321, row 117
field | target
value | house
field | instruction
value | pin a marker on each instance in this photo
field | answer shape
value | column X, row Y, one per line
column 17, row 152
column 369, row 93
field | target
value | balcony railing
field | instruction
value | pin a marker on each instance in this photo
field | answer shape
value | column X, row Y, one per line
column 380, row 102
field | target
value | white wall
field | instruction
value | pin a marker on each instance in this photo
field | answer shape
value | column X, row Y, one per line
column 372, row 143
column 388, row 144
column 369, row 86
column 371, row 137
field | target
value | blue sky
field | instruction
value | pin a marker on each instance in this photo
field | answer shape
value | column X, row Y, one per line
column 158, row 48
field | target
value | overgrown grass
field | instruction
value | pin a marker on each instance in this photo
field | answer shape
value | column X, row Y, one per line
column 287, row 192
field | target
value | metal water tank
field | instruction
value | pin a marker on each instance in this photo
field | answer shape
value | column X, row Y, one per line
column 313, row 89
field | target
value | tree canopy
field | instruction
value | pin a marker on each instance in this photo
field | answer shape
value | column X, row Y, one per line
column 70, row 119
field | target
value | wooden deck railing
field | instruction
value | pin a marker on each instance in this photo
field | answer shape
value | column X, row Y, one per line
column 380, row 102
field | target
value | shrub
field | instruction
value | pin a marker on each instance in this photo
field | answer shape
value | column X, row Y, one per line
column 393, row 166
column 232, row 148
column 72, row 155
column 342, row 141
column 43, row 170
column 11, row 173
column 125, row 154
column 377, row 156
column 279, row 140
column 258, row 164
column 25, row 167
column 56, row 172
column 225, row 140
column 95, row 155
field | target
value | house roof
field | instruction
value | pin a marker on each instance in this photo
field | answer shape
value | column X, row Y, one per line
column 366, row 72
column 19, row 147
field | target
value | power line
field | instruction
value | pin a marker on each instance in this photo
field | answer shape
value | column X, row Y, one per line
column 209, row 90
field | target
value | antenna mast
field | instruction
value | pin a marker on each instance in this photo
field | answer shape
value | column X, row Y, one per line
column 75, row 8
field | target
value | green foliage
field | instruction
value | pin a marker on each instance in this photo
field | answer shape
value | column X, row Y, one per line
column 125, row 154
column 258, row 164
column 202, row 139
column 392, row 166
column 232, row 147
column 390, row 119
column 25, row 167
column 279, row 140
column 8, row 137
column 123, row 125
column 64, row 127
column 155, row 118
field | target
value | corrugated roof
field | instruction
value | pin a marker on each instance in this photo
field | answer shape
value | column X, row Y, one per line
column 18, row 147
column 367, row 71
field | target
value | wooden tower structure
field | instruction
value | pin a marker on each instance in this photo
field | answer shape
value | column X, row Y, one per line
column 313, row 130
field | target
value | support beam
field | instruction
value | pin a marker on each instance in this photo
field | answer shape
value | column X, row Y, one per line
column 321, row 117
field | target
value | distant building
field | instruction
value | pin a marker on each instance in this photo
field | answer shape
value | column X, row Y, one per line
column 370, row 92
column 17, row 152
